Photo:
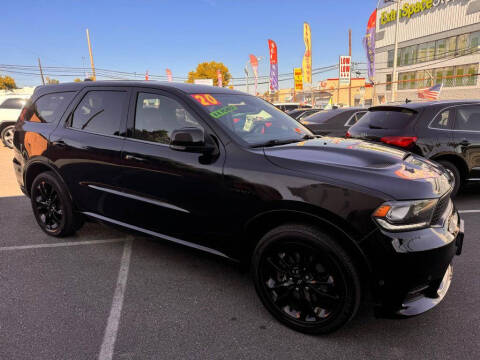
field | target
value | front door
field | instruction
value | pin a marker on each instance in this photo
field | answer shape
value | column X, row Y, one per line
column 467, row 137
column 170, row 192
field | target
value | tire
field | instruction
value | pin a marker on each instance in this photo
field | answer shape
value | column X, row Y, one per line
column 456, row 175
column 7, row 135
column 305, row 279
column 52, row 206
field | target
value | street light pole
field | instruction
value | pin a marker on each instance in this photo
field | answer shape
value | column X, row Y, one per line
column 395, row 54
column 246, row 74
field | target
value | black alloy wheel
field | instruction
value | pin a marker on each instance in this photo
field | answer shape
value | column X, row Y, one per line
column 456, row 176
column 52, row 206
column 306, row 280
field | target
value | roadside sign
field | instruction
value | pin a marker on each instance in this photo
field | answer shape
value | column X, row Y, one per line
column 297, row 74
column 203, row 82
column 345, row 68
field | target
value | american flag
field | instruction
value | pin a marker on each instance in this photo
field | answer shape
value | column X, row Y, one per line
column 432, row 93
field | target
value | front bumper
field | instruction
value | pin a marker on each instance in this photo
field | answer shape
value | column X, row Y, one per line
column 412, row 270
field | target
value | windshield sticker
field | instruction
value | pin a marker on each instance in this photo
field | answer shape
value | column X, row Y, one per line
column 206, row 99
column 248, row 124
column 223, row 111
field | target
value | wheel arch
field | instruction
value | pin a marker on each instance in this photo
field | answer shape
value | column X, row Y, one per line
column 456, row 160
column 4, row 124
column 34, row 169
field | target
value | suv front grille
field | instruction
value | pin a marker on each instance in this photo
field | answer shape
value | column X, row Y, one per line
column 442, row 205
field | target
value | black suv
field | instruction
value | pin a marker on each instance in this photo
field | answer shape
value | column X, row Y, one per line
column 445, row 131
column 321, row 221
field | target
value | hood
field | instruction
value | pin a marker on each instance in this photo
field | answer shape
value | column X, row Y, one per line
column 396, row 173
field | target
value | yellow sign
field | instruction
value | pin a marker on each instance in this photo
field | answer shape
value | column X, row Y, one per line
column 297, row 74
column 307, row 57
column 408, row 10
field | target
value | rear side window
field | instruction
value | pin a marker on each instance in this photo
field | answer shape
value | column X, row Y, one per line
column 387, row 119
column 13, row 103
column 100, row 112
column 468, row 118
column 49, row 108
column 444, row 120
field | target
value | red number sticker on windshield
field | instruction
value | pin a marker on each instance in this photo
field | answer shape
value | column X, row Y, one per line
column 206, row 99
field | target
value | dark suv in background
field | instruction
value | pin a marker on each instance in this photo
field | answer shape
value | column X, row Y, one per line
column 320, row 221
column 445, row 131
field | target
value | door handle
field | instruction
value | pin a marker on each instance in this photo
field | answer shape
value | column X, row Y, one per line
column 464, row 142
column 59, row 143
column 135, row 158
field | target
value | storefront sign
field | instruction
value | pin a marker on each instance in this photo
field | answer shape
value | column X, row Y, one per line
column 345, row 69
column 297, row 73
column 410, row 9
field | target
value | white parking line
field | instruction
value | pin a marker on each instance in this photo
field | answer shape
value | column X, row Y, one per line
column 61, row 244
column 106, row 351
column 468, row 211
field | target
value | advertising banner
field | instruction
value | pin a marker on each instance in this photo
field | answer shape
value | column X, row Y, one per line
column 219, row 78
column 254, row 63
column 307, row 57
column 345, row 69
column 369, row 43
column 273, row 65
column 169, row 75
column 297, row 74
column 146, row 75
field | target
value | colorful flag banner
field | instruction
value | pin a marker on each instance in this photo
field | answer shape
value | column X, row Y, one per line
column 146, row 75
column 432, row 93
column 273, row 65
column 169, row 75
column 369, row 43
column 307, row 57
column 219, row 78
column 297, row 75
column 254, row 63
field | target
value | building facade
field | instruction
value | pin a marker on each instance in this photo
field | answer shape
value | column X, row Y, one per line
column 438, row 43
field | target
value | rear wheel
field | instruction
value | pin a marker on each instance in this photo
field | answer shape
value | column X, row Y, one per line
column 305, row 279
column 456, row 175
column 7, row 135
column 52, row 206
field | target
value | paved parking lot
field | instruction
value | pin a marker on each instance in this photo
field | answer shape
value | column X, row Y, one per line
column 106, row 294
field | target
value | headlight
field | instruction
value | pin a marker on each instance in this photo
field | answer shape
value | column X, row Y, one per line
column 405, row 215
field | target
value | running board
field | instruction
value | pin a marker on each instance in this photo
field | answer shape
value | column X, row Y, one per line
column 162, row 236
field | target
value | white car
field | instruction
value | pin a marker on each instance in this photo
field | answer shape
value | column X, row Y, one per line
column 10, row 109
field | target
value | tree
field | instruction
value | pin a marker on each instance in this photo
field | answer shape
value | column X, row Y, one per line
column 77, row 80
column 50, row 81
column 208, row 70
column 7, row 83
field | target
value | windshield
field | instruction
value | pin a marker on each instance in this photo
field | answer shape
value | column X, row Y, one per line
column 252, row 120
column 387, row 119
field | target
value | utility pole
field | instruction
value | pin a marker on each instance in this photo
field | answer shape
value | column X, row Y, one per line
column 350, row 54
column 395, row 54
column 246, row 74
column 41, row 71
column 94, row 77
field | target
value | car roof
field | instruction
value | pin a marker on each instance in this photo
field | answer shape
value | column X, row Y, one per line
column 328, row 114
column 183, row 87
column 424, row 104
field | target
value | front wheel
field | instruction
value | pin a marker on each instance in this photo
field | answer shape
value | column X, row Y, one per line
column 456, row 176
column 52, row 206
column 305, row 279
column 7, row 135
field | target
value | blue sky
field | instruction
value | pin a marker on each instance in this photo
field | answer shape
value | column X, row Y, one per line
column 138, row 35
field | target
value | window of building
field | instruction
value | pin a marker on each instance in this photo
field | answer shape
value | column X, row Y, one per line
column 389, row 82
column 441, row 49
column 462, row 44
column 49, row 108
column 475, row 41
column 100, row 112
column 451, row 46
column 390, row 58
column 422, row 53
column 443, row 76
column 468, row 118
column 443, row 120
column 420, row 76
column 156, row 116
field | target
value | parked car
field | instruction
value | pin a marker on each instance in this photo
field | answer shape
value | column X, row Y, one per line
column 299, row 114
column 291, row 106
column 334, row 122
column 10, row 108
column 445, row 131
column 320, row 221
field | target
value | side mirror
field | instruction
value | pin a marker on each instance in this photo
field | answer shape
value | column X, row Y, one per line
column 191, row 139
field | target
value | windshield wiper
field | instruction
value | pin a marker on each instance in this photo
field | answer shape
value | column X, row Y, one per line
column 276, row 142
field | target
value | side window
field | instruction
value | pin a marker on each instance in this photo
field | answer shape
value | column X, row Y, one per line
column 13, row 103
column 468, row 118
column 49, row 108
column 444, row 120
column 156, row 116
column 100, row 112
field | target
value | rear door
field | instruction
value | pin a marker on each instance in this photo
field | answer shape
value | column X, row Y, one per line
column 86, row 148
column 467, row 136
column 435, row 136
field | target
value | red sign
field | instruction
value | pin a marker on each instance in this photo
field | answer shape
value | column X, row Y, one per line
column 219, row 78
column 345, row 69
column 169, row 75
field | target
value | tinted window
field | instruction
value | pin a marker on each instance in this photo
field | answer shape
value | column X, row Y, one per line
column 156, row 116
column 354, row 119
column 468, row 118
column 100, row 112
column 13, row 103
column 443, row 120
column 387, row 119
column 49, row 108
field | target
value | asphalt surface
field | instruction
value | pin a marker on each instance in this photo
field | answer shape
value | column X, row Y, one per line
column 64, row 302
